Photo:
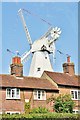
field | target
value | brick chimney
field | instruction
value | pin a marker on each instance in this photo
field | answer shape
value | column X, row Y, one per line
column 16, row 67
column 68, row 67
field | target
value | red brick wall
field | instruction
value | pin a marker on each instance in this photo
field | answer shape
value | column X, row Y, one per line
column 38, row 103
column 0, row 100
column 63, row 90
column 43, row 103
column 18, row 105
column 12, row 105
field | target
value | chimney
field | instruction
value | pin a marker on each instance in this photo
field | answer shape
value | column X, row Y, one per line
column 68, row 67
column 16, row 67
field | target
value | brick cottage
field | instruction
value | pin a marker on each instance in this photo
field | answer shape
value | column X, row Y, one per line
column 16, row 89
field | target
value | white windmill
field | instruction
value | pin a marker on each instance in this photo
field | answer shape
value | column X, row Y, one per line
column 40, row 49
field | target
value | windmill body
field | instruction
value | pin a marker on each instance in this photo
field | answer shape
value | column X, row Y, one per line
column 40, row 59
column 40, row 50
column 40, row 62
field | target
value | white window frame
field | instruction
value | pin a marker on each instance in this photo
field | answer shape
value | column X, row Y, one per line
column 36, row 97
column 15, row 93
column 12, row 112
column 74, row 94
column 75, row 111
column 0, row 113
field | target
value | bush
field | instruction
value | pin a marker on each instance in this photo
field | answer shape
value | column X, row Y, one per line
column 39, row 110
column 46, row 116
column 27, row 107
column 62, row 103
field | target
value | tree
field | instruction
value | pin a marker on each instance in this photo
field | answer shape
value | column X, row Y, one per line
column 62, row 103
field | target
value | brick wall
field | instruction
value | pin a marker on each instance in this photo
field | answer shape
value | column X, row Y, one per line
column 43, row 103
column 63, row 90
column 12, row 105
column 18, row 105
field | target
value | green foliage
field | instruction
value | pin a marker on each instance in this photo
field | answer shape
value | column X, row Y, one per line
column 46, row 116
column 62, row 103
column 27, row 107
column 39, row 110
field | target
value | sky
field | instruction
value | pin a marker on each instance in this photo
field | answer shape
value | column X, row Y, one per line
column 60, row 14
column 39, row 0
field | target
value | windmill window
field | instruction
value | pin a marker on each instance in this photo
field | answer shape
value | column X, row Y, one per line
column 49, row 45
column 38, row 69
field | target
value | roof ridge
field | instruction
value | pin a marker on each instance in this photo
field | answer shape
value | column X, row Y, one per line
column 34, row 77
column 62, row 73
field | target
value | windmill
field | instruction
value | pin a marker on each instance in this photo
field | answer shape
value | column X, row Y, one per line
column 40, row 49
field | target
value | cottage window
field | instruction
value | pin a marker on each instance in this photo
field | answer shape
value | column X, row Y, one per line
column 76, row 111
column 39, row 95
column 0, row 112
column 79, row 95
column 75, row 94
column 12, row 93
column 12, row 112
column 8, row 92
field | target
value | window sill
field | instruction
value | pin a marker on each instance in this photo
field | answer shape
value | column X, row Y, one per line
column 76, row 99
column 39, row 100
column 13, row 98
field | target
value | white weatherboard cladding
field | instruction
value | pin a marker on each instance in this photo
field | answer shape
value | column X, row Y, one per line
column 41, row 49
column 37, row 45
column 40, row 63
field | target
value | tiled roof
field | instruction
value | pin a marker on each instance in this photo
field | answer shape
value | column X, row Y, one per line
column 26, row 82
column 64, row 79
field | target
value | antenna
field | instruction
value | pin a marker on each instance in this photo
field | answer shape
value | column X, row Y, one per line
column 14, row 53
column 61, row 53
column 10, row 52
column 17, row 53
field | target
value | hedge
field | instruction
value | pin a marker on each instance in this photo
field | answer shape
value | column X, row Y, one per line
column 48, row 116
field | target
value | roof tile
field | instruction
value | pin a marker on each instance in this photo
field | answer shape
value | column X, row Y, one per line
column 26, row 82
column 64, row 79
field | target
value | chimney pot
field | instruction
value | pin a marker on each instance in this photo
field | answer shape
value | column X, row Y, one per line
column 68, row 67
column 68, row 59
column 16, row 60
column 16, row 67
